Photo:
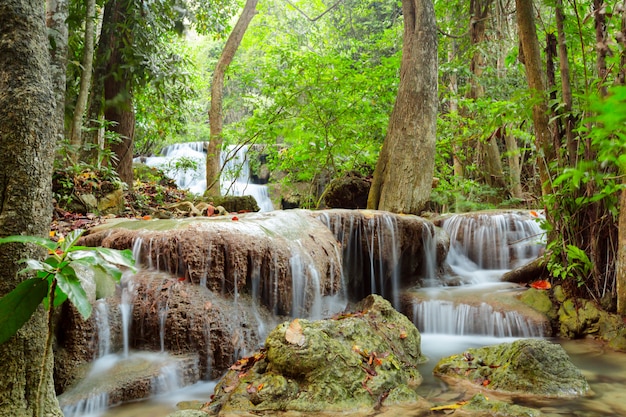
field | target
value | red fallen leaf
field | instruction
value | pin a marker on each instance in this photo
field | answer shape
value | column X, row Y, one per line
column 146, row 217
column 235, row 218
column 485, row 382
column 541, row 285
column 181, row 279
column 534, row 213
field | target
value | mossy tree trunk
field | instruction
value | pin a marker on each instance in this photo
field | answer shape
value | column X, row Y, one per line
column 404, row 171
column 27, row 139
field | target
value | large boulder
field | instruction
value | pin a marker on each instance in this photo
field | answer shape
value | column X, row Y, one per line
column 354, row 361
column 534, row 367
column 289, row 258
column 348, row 192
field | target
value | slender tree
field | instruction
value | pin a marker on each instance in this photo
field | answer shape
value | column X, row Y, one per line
column 85, row 80
column 536, row 83
column 216, row 117
column 28, row 126
column 404, row 172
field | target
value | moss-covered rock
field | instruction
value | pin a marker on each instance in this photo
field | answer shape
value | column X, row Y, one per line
column 540, row 301
column 234, row 204
column 527, row 366
column 578, row 317
column 354, row 361
column 481, row 403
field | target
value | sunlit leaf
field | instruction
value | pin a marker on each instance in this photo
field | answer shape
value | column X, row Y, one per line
column 46, row 243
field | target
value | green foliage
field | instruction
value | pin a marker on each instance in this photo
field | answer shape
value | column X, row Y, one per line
column 69, row 272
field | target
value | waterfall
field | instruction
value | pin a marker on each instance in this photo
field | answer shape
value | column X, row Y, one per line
column 235, row 178
column 446, row 317
column 485, row 245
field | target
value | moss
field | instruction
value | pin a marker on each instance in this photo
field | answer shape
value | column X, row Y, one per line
column 540, row 301
column 346, row 363
column 499, row 408
column 525, row 366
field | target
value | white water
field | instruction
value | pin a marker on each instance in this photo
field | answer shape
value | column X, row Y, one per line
column 446, row 325
column 235, row 178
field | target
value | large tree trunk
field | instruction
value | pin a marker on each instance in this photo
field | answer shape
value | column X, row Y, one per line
column 85, row 81
column 216, row 117
column 56, row 16
column 118, row 88
column 28, row 126
column 403, row 176
column 536, row 83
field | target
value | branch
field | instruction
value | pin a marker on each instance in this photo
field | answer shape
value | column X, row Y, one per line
column 318, row 17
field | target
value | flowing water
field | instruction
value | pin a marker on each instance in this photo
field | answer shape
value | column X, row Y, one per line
column 235, row 178
column 450, row 318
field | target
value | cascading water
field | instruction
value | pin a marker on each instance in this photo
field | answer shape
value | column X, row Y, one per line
column 235, row 179
column 372, row 251
column 482, row 247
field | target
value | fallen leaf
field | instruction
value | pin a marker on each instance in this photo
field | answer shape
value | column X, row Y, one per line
column 294, row 334
column 449, row 406
column 541, row 285
column 235, row 218
column 403, row 335
column 228, row 388
column 486, row 382
column 208, row 305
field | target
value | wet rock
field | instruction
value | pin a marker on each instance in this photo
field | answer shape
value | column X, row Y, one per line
column 481, row 405
column 167, row 315
column 355, row 361
column 126, row 379
column 540, row 301
column 579, row 318
column 188, row 413
column 348, row 192
column 384, row 252
column 234, row 204
column 289, row 257
column 525, row 367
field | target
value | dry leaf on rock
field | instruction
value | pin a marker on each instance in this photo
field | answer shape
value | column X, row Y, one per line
column 294, row 333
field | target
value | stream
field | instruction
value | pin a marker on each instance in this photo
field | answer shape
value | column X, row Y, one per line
column 451, row 318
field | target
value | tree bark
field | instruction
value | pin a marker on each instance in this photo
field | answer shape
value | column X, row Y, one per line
column 216, row 117
column 85, row 81
column 403, row 176
column 536, row 83
column 56, row 15
column 620, row 268
column 27, row 139
column 118, row 97
column 566, row 86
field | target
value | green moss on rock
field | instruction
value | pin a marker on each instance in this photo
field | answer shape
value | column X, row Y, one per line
column 527, row 366
column 351, row 362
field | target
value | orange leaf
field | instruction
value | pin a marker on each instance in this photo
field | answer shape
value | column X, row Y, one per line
column 403, row 335
column 485, row 382
column 235, row 218
column 146, row 217
column 541, row 285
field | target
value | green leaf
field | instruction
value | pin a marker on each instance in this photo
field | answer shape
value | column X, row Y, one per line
column 17, row 306
column 105, row 286
column 35, row 265
column 123, row 258
column 71, row 239
column 71, row 285
column 46, row 243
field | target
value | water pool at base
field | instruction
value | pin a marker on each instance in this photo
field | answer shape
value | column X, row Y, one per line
column 604, row 369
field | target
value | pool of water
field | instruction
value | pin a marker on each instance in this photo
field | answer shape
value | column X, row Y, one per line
column 604, row 369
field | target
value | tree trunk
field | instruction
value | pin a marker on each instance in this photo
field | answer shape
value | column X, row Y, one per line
column 620, row 268
column 28, row 127
column 85, row 81
column 216, row 117
column 403, row 176
column 566, row 86
column 56, row 16
column 534, row 76
column 513, row 156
